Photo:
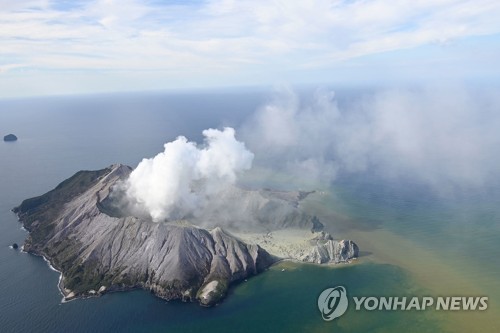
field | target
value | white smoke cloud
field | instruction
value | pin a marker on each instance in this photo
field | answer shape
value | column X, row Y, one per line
column 178, row 181
column 441, row 137
column 437, row 136
column 293, row 138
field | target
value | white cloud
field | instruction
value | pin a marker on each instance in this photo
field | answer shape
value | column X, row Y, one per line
column 226, row 38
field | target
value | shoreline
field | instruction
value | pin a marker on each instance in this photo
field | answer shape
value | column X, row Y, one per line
column 59, row 282
column 291, row 240
column 65, row 299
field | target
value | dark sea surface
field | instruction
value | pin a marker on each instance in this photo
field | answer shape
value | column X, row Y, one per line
column 413, row 241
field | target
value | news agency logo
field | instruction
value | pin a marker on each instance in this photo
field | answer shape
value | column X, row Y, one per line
column 333, row 303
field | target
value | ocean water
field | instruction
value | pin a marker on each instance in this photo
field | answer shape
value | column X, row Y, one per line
column 413, row 242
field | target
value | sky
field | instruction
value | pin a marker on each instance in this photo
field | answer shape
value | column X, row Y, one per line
column 53, row 47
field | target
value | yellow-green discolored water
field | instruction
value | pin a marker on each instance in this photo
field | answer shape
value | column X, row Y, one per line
column 431, row 258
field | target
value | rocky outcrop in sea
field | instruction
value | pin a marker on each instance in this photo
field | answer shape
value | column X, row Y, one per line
column 10, row 137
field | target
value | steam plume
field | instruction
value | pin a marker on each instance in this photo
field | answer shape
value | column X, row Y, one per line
column 178, row 181
column 442, row 137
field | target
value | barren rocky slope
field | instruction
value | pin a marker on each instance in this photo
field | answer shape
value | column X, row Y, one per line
column 98, row 253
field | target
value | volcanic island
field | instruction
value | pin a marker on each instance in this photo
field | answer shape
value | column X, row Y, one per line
column 99, row 248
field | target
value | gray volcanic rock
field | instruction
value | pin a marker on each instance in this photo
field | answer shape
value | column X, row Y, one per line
column 332, row 251
column 328, row 250
column 84, row 229
column 10, row 137
column 97, row 253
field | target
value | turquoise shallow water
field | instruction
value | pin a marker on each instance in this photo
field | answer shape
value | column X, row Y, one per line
column 413, row 242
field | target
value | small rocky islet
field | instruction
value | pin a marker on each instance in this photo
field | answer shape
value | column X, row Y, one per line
column 10, row 138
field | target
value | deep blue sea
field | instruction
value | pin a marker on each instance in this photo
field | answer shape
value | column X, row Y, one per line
column 413, row 241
